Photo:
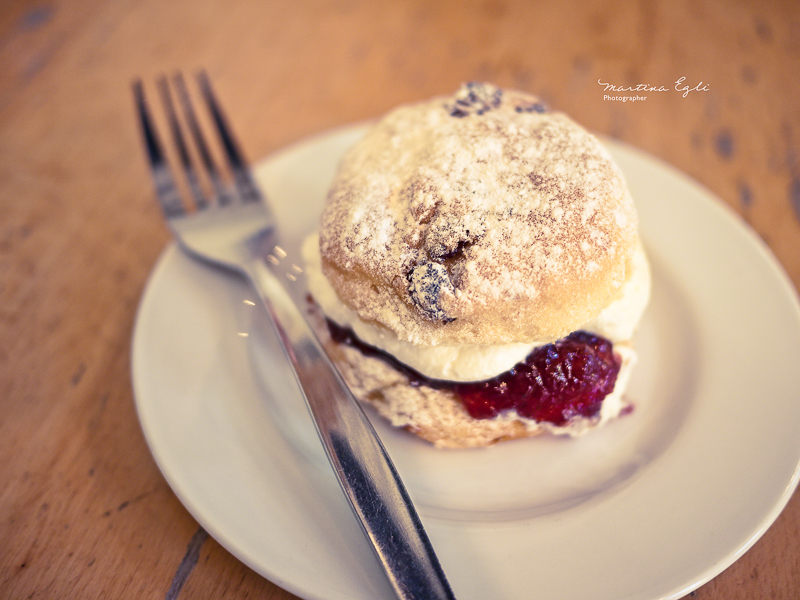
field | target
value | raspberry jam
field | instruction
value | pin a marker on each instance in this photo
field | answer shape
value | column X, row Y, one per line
column 555, row 383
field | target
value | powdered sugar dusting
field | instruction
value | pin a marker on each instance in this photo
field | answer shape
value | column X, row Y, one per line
column 451, row 205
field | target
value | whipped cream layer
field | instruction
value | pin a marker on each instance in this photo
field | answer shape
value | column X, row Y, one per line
column 460, row 362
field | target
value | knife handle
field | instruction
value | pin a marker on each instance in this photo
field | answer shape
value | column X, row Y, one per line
column 365, row 472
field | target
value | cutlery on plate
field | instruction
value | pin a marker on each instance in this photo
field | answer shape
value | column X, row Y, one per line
column 233, row 227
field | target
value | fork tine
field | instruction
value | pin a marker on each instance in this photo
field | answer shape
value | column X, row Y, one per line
column 247, row 188
column 180, row 142
column 166, row 190
column 194, row 127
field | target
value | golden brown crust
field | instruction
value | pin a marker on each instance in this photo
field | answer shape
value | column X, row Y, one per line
column 480, row 218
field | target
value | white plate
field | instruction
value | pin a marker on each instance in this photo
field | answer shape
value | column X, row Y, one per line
column 650, row 507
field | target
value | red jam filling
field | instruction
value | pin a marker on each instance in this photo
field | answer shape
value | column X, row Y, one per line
column 555, row 383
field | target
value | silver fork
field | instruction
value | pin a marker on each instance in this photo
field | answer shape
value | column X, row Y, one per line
column 235, row 229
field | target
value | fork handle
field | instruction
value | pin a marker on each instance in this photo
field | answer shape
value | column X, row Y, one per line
column 362, row 466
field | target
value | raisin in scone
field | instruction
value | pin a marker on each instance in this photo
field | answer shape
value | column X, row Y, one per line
column 477, row 273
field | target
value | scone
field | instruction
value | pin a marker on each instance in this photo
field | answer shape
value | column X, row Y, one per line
column 478, row 275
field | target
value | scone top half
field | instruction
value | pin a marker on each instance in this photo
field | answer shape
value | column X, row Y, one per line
column 481, row 218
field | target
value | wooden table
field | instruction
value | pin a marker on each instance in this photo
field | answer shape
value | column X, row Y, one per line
column 84, row 511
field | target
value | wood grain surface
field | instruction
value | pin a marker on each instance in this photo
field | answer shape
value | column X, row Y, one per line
column 84, row 511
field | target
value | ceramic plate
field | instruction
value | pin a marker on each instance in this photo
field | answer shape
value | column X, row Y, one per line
column 650, row 507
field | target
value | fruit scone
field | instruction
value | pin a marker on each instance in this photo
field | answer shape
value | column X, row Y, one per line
column 477, row 275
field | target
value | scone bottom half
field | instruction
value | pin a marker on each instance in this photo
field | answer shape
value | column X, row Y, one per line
column 481, row 219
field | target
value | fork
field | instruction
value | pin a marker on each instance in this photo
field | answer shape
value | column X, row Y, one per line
column 234, row 228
